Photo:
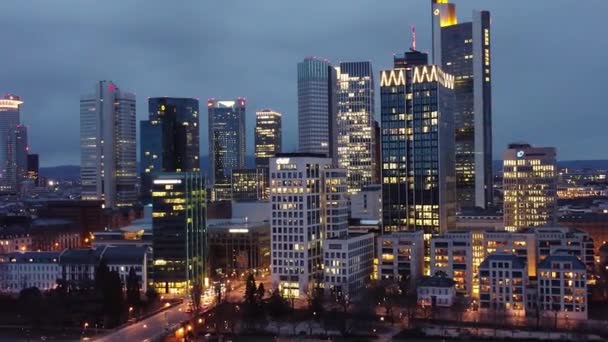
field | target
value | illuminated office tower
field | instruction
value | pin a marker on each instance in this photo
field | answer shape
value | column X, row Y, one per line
column 108, row 150
column 463, row 50
column 249, row 184
column 317, row 129
column 179, row 231
column 21, row 151
column 308, row 206
column 33, row 172
column 267, row 136
column 9, row 120
column 226, row 139
column 355, row 113
column 169, row 139
column 418, row 185
column 530, row 186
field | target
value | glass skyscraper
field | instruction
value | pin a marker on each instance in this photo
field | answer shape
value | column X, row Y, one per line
column 10, row 106
column 179, row 231
column 268, row 136
column 317, row 129
column 226, row 139
column 418, row 185
column 355, row 124
column 169, row 139
column 108, row 148
column 463, row 50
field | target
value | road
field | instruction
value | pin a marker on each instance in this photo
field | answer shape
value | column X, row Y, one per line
column 149, row 328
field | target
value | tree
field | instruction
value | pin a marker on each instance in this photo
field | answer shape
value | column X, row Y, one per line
column 251, row 303
column 196, row 294
column 133, row 294
column 29, row 303
column 151, row 295
column 277, row 307
column 261, row 292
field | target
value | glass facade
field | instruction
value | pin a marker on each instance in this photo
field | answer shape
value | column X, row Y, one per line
column 226, row 138
column 169, row 139
column 249, row 184
column 179, row 231
column 267, row 136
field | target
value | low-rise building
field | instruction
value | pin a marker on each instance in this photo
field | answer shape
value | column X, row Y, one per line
column 19, row 271
column 452, row 254
column 502, row 284
column 562, row 287
column 367, row 203
column 401, row 255
column 436, row 291
column 348, row 263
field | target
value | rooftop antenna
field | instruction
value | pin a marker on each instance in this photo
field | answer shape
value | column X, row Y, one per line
column 413, row 30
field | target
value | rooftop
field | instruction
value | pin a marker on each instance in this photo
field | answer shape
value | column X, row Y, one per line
column 516, row 262
column 124, row 255
column 562, row 257
column 436, row 281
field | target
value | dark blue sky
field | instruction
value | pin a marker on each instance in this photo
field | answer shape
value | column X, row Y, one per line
column 549, row 60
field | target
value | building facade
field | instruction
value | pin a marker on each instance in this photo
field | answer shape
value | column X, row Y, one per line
column 19, row 271
column 169, row 139
column 33, row 171
column 10, row 106
column 464, row 51
column 317, row 129
column 226, row 138
column 179, row 231
column 268, row 136
column 367, row 203
column 355, row 124
column 452, row 255
column 502, row 285
column 418, row 180
column 348, row 264
column 108, row 159
column 530, row 186
column 401, row 256
column 249, row 184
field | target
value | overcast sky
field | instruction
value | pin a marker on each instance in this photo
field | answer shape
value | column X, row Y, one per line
column 549, row 60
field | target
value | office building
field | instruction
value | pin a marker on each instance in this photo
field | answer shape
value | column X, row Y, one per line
column 401, row 256
column 417, row 146
column 249, row 184
column 299, row 218
column 464, row 51
column 179, row 231
column 317, row 129
column 226, row 139
column 108, row 159
column 502, row 284
column 33, row 169
column 10, row 106
column 562, row 287
column 268, row 136
column 169, row 139
column 348, row 264
column 529, row 185
column 355, row 124
column 367, row 204
column 452, row 254
column 21, row 151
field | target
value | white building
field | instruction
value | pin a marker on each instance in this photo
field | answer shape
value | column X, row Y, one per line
column 367, row 204
column 452, row 253
column 401, row 255
column 348, row 263
column 298, row 222
column 108, row 145
column 562, row 287
column 9, row 120
column 19, row 271
column 436, row 291
column 502, row 284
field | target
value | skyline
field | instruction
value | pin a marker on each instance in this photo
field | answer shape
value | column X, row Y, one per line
column 223, row 68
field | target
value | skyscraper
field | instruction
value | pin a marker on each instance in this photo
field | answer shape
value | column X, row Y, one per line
column 463, row 50
column 179, row 233
column 21, row 151
column 317, row 129
column 418, row 183
column 267, row 136
column 530, row 186
column 9, row 120
column 226, row 138
column 33, row 172
column 169, row 139
column 108, row 161
column 355, row 124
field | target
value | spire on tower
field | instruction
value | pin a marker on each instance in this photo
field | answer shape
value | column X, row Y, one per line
column 413, row 31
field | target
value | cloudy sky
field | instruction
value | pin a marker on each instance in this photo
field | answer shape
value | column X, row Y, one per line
column 549, row 59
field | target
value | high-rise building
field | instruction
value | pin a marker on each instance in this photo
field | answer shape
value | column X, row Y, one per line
column 21, row 151
column 463, row 50
column 308, row 205
column 179, row 231
column 267, row 136
column 33, row 172
column 9, row 120
column 355, row 124
column 529, row 186
column 226, row 139
column 108, row 149
column 317, row 129
column 418, row 181
column 169, row 139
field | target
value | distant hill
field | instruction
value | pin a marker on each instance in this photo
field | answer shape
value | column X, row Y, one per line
column 72, row 172
column 570, row 164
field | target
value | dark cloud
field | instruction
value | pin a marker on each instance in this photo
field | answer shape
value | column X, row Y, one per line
column 549, row 59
